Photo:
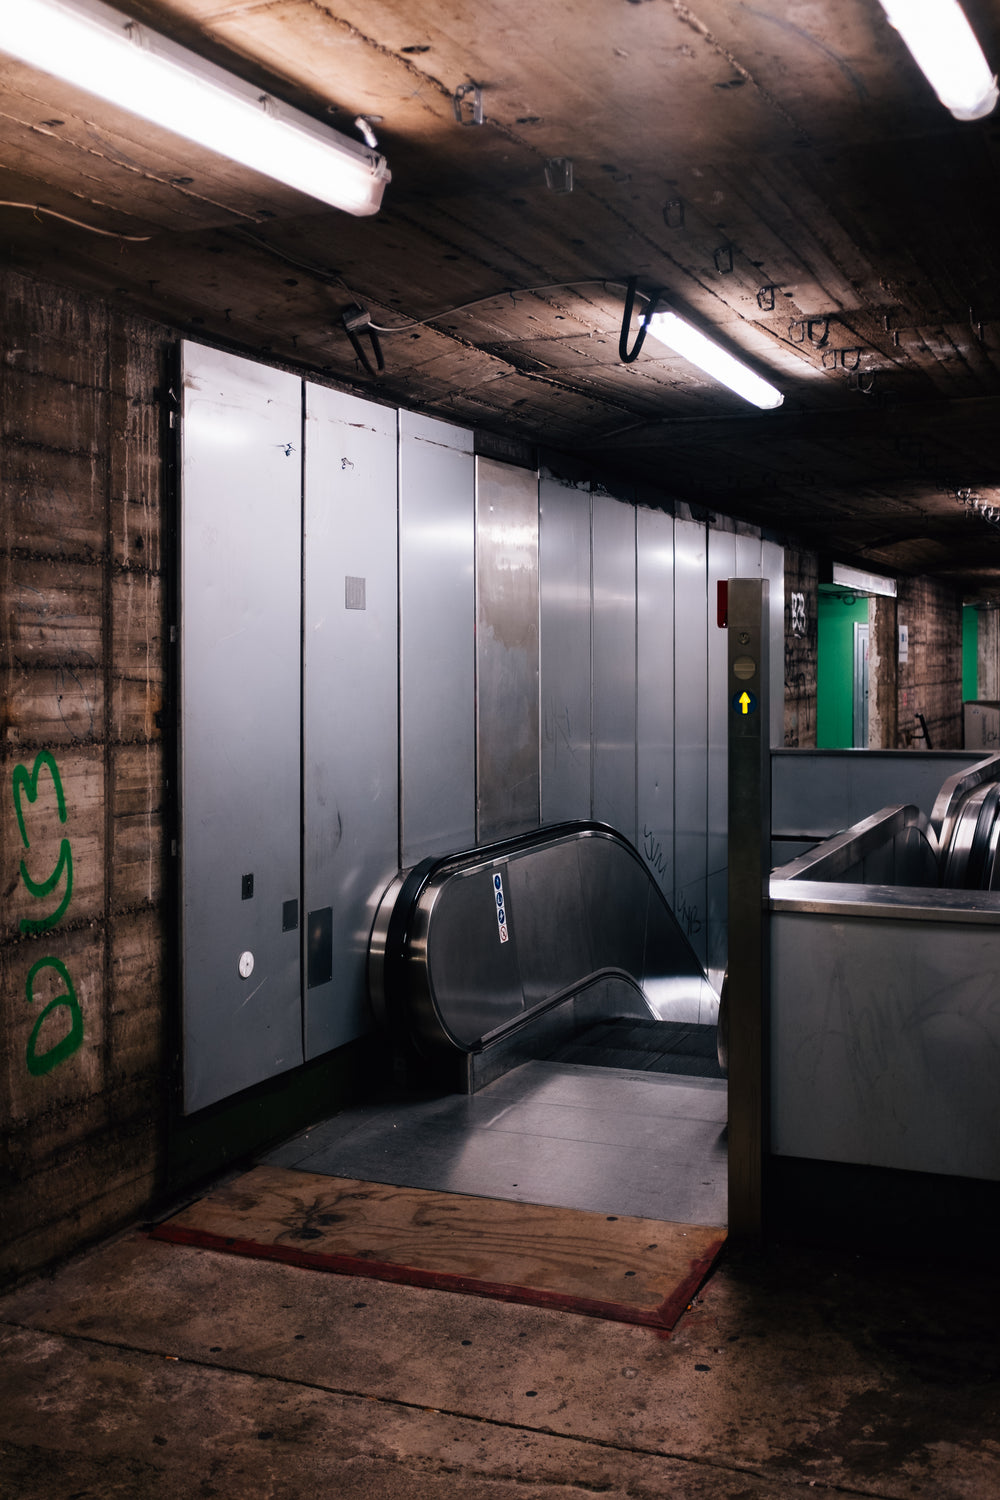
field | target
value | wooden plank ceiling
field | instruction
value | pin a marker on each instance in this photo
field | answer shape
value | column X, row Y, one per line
column 780, row 169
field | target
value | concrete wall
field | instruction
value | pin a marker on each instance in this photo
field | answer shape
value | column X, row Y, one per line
column 83, row 663
column 801, row 647
column 930, row 681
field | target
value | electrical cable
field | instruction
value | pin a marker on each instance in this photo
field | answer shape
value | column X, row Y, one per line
column 507, row 291
column 329, row 277
column 332, row 279
column 356, row 318
column 111, row 234
column 625, row 354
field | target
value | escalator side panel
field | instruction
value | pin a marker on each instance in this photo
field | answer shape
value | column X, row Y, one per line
column 672, row 978
column 914, row 860
column 552, row 931
column 470, row 957
column 613, row 886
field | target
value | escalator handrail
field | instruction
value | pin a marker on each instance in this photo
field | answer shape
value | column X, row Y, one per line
column 948, row 802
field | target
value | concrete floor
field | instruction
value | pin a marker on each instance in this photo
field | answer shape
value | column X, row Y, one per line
column 144, row 1369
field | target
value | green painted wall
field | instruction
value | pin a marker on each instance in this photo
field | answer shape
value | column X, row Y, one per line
column 970, row 654
column 835, row 685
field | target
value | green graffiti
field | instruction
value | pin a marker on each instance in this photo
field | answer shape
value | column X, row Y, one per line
column 26, row 783
column 44, row 1062
column 41, row 889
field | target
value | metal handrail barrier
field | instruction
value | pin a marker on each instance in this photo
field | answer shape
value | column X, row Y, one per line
column 831, row 860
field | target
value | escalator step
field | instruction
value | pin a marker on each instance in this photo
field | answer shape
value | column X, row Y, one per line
column 684, row 1048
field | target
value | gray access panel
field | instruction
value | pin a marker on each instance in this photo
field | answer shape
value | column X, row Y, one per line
column 240, row 563
column 691, row 731
column 655, row 694
column 350, row 738
column 436, row 638
column 507, row 779
column 614, row 664
column 564, row 612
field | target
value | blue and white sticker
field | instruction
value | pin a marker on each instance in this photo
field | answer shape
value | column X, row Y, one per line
column 501, row 908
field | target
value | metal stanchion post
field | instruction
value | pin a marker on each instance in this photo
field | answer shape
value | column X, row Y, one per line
column 749, row 864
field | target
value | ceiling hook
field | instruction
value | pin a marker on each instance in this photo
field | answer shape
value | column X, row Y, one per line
column 460, row 94
column 724, row 259
column 765, row 298
column 559, row 174
column 364, row 125
column 673, row 213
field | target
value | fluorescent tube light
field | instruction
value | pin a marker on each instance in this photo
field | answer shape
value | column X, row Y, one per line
column 715, row 361
column 844, row 577
column 98, row 49
column 944, row 47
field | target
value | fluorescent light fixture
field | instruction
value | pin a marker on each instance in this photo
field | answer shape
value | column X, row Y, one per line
column 715, row 361
column 944, row 47
column 98, row 49
column 840, row 576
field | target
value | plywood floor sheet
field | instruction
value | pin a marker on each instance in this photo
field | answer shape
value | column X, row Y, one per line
column 629, row 1269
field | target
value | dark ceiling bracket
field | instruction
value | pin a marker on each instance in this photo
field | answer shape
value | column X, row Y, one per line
column 559, row 174
column 625, row 354
column 816, row 330
column 476, row 102
column 358, row 320
column 847, row 359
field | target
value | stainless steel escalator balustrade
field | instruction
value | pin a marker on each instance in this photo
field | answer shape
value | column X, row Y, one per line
column 472, row 947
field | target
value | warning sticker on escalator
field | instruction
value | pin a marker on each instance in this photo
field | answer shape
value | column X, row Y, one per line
column 501, row 908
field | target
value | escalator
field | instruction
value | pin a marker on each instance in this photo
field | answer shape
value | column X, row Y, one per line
column 486, row 957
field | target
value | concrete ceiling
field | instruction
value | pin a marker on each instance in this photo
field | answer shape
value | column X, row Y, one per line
column 780, row 168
